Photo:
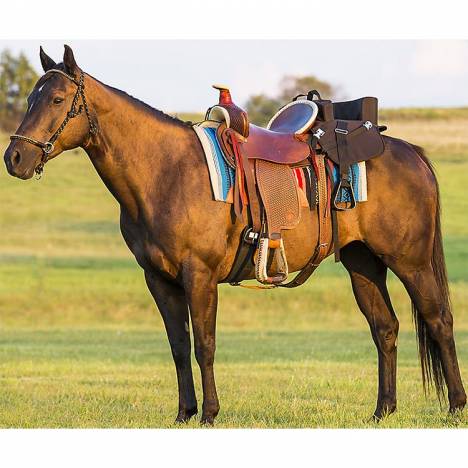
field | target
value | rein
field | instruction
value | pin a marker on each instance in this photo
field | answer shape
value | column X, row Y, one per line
column 48, row 146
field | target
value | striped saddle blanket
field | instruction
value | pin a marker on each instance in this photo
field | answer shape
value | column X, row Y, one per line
column 222, row 175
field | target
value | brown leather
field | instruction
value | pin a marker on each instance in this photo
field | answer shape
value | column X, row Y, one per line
column 360, row 144
column 239, row 120
column 325, row 240
column 254, row 202
column 277, row 147
column 278, row 188
column 281, row 148
column 238, row 117
column 224, row 141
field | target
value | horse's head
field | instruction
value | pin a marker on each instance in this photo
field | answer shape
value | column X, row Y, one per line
column 57, row 118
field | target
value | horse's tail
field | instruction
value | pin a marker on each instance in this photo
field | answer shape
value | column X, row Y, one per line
column 429, row 351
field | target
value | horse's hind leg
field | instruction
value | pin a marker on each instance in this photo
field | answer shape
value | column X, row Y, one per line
column 172, row 304
column 435, row 330
column 368, row 276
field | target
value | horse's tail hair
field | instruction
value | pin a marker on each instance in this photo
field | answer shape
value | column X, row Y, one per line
column 429, row 351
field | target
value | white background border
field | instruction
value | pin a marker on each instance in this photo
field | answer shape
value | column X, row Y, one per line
column 239, row 19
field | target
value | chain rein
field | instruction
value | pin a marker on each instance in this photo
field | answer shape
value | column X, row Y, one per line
column 48, row 146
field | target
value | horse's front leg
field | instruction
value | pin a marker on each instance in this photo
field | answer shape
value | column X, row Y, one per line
column 171, row 302
column 201, row 290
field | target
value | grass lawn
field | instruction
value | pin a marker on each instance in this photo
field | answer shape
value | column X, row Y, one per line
column 82, row 344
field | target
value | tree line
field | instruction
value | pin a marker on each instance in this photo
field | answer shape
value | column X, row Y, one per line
column 17, row 78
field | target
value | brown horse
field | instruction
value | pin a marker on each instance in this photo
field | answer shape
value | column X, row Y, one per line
column 186, row 244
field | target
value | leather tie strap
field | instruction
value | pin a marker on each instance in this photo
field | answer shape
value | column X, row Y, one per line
column 244, row 172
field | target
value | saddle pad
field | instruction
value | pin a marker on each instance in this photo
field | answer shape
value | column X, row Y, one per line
column 278, row 188
column 222, row 176
column 357, row 176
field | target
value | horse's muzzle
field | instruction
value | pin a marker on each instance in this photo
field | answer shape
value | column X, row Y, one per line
column 17, row 164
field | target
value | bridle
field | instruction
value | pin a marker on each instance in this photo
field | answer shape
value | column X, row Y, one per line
column 48, row 146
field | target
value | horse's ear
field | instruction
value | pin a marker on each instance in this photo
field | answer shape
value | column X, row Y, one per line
column 69, row 61
column 46, row 61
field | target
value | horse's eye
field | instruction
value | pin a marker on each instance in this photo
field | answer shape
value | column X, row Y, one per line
column 58, row 100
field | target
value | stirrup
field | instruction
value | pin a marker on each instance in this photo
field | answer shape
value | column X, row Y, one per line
column 261, row 265
column 344, row 187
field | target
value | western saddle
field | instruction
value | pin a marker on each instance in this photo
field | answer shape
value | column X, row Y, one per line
column 302, row 133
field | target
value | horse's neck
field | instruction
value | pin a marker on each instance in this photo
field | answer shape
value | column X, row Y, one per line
column 131, row 148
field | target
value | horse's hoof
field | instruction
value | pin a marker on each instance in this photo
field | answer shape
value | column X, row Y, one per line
column 381, row 414
column 457, row 404
column 374, row 419
column 185, row 415
column 207, row 421
column 456, row 410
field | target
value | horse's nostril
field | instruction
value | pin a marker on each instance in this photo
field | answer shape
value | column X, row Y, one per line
column 16, row 158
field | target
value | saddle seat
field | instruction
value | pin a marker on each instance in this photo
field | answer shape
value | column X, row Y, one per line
column 296, row 117
column 284, row 141
column 276, row 147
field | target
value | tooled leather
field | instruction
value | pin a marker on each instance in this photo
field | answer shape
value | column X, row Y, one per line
column 278, row 189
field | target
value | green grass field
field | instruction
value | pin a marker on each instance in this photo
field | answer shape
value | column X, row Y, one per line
column 82, row 344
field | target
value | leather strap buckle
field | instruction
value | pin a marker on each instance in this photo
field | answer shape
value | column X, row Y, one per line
column 250, row 237
column 318, row 133
column 341, row 130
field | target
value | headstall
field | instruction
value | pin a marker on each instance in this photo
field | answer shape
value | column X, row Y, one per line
column 75, row 110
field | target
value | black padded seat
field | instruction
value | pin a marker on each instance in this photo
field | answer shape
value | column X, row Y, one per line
column 296, row 117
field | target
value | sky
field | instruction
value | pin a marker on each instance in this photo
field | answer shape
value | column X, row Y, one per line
column 176, row 75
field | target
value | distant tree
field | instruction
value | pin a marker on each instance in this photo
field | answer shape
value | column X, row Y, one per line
column 261, row 107
column 291, row 86
column 17, row 77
